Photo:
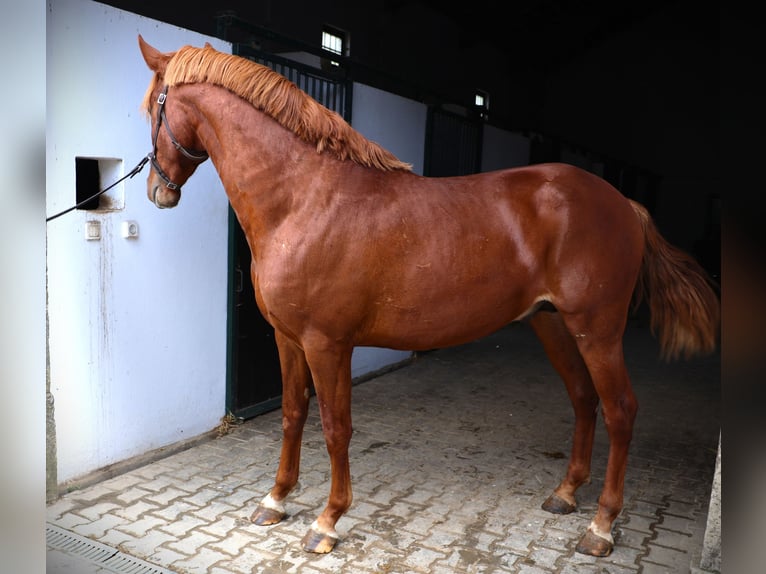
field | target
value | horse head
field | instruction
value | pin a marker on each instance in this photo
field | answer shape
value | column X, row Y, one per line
column 172, row 162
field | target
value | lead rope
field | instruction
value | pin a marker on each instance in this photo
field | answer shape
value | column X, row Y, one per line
column 132, row 172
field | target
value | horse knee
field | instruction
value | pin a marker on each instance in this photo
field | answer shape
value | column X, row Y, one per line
column 293, row 422
column 337, row 438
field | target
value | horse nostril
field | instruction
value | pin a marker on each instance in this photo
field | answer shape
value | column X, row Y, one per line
column 155, row 191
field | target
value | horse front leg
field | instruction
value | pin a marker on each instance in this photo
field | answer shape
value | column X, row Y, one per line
column 562, row 351
column 296, row 379
column 331, row 370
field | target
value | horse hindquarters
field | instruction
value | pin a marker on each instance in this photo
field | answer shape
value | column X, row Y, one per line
column 685, row 311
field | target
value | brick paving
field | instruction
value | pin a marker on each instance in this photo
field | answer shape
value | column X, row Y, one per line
column 451, row 457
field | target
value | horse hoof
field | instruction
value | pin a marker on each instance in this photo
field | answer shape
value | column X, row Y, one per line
column 318, row 542
column 558, row 505
column 593, row 545
column 264, row 516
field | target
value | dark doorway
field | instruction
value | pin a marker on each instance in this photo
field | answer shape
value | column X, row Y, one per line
column 453, row 144
column 254, row 383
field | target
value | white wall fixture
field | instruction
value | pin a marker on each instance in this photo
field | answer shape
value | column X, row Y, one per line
column 129, row 229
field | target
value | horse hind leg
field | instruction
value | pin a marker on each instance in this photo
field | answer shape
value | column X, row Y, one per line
column 295, row 401
column 599, row 341
column 562, row 351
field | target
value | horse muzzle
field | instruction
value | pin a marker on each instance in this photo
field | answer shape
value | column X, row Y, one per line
column 163, row 197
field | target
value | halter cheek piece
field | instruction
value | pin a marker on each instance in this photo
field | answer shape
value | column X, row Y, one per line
column 193, row 155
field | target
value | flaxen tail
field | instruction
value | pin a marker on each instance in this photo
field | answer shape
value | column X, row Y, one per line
column 684, row 307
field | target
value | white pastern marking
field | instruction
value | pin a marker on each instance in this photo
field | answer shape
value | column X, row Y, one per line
column 271, row 504
column 326, row 531
column 598, row 532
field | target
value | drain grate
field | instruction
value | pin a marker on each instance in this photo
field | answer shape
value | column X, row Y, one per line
column 105, row 556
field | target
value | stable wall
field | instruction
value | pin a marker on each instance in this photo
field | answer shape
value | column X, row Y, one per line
column 137, row 326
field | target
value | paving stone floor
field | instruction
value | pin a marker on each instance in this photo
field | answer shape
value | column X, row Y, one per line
column 451, row 457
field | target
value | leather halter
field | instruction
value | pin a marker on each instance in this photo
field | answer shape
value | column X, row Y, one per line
column 193, row 155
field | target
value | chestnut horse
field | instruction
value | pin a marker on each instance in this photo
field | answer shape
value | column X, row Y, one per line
column 351, row 248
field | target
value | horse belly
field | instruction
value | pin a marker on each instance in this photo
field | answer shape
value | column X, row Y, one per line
column 444, row 317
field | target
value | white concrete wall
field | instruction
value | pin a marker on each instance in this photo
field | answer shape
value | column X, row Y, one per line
column 396, row 123
column 399, row 125
column 137, row 326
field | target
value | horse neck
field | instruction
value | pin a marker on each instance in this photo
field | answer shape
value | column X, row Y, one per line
column 263, row 166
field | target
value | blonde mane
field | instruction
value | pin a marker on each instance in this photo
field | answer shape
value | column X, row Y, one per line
column 280, row 98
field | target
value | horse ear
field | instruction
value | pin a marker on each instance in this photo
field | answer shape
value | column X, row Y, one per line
column 156, row 60
column 208, row 45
